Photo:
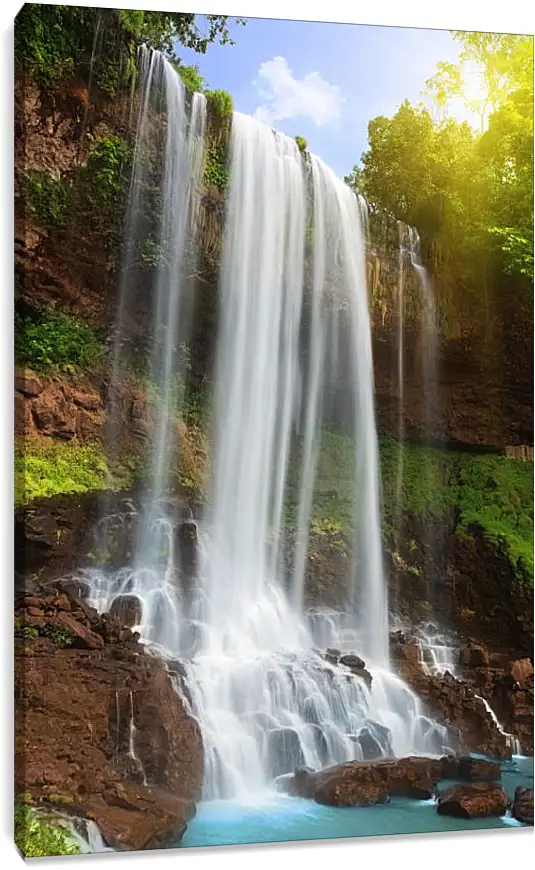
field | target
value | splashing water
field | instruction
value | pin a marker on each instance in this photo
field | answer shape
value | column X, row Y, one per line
column 293, row 269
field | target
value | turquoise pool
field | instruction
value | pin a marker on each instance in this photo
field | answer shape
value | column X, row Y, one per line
column 276, row 818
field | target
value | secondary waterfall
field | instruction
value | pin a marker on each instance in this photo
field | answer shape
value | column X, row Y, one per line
column 293, row 313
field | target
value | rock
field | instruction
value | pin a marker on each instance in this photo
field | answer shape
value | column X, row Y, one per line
column 361, row 783
column 303, row 782
column 75, row 707
column 370, row 746
column 28, row 384
column 83, row 638
column 186, row 537
column 475, row 801
column 132, row 818
column 521, row 670
column 88, row 401
column 127, row 608
column 475, row 656
column 353, row 662
column 284, row 751
column 474, row 769
column 522, row 808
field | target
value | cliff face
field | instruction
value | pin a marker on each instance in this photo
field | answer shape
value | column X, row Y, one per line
column 100, row 729
column 484, row 355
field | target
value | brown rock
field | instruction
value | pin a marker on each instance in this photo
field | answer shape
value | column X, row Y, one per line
column 88, row 401
column 472, row 769
column 84, row 638
column 28, row 384
column 23, row 415
column 474, row 801
column 361, row 783
column 522, row 808
column 127, row 608
column 521, row 670
column 74, row 711
column 475, row 656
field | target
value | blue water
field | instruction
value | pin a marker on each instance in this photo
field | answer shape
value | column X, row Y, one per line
column 277, row 818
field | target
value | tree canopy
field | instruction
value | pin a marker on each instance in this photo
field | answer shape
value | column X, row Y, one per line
column 51, row 41
column 468, row 191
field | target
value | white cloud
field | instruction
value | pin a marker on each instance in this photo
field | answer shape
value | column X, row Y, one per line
column 284, row 96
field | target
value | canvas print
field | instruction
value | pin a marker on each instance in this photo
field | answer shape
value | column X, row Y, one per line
column 274, row 430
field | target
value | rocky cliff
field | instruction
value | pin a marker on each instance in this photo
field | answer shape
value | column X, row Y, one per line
column 101, row 730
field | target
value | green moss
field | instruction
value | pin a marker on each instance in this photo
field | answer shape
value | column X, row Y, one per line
column 488, row 494
column 38, row 839
column 56, row 342
column 426, row 489
column 301, row 144
column 496, row 497
column 47, row 468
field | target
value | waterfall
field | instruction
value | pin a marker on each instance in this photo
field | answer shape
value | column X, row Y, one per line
column 400, row 377
column 293, row 316
column 266, row 701
column 429, row 338
column 160, row 229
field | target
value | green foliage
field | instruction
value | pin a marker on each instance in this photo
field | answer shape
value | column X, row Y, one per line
column 469, row 191
column 60, row 635
column 46, row 198
column 55, row 342
column 490, row 493
column 24, row 631
column 108, row 160
column 36, row 838
column 301, row 144
column 191, row 77
column 54, row 41
column 221, row 103
column 43, row 45
column 496, row 496
column 47, row 468
column 216, row 170
column 161, row 29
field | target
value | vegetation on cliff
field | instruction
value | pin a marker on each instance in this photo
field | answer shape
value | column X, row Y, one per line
column 44, row 468
column 39, row 839
column 55, row 44
column 469, row 192
column 484, row 494
column 54, row 342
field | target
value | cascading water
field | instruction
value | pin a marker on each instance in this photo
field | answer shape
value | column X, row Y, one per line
column 292, row 280
column 166, row 176
column 265, row 700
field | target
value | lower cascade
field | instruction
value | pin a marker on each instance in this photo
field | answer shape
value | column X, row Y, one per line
column 293, row 316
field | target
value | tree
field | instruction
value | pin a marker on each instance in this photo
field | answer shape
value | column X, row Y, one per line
column 469, row 193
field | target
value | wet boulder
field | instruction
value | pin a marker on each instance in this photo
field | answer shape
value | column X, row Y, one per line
column 186, row 543
column 127, row 608
column 522, row 809
column 475, row 800
column 284, row 751
column 371, row 747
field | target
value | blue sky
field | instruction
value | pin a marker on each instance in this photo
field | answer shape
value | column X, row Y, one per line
column 323, row 81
